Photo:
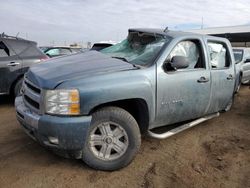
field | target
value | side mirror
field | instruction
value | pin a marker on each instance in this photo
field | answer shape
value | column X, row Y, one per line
column 177, row 62
column 247, row 61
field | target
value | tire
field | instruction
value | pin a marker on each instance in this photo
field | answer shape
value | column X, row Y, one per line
column 230, row 104
column 110, row 127
column 17, row 88
column 239, row 85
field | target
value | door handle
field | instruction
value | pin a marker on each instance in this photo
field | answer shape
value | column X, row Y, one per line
column 230, row 77
column 203, row 80
column 12, row 64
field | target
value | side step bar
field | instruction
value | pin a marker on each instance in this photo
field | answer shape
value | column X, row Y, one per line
column 181, row 127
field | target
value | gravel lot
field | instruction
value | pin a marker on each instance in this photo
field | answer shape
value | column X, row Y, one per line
column 213, row 154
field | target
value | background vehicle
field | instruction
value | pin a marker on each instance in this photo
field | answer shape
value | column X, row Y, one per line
column 16, row 56
column 59, row 50
column 101, row 45
column 99, row 103
column 242, row 60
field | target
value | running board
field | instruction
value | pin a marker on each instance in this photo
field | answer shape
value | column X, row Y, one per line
column 182, row 127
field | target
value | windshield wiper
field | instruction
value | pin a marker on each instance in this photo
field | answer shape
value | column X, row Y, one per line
column 121, row 58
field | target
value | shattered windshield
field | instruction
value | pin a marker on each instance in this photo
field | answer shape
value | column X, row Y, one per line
column 138, row 49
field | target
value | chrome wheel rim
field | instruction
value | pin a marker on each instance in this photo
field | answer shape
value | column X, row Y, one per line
column 108, row 141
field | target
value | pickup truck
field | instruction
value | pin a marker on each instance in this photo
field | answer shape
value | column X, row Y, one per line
column 94, row 105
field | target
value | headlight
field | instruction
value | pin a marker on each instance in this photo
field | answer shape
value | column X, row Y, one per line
column 62, row 102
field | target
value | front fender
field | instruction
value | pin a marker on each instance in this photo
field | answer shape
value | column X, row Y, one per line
column 101, row 89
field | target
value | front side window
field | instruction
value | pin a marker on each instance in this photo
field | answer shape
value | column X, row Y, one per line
column 138, row 49
column 218, row 55
column 4, row 51
column 191, row 51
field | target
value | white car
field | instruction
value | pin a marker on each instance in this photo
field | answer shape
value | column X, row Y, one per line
column 242, row 60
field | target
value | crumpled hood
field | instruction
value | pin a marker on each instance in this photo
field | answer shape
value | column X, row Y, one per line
column 53, row 72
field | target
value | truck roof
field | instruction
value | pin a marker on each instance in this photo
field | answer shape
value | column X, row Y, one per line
column 172, row 33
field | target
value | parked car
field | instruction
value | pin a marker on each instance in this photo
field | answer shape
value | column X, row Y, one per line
column 95, row 105
column 101, row 45
column 16, row 56
column 56, row 51
column 242, row 60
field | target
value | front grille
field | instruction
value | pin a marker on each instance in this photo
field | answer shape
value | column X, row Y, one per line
column 35, row 89
column 32, row 96
column 32, row 102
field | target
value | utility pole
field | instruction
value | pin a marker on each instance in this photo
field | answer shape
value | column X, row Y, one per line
column 202, row 22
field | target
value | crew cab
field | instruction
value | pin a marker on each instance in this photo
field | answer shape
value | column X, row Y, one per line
column 94, row 106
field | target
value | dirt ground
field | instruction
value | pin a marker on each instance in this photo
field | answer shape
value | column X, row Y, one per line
column 213, row 154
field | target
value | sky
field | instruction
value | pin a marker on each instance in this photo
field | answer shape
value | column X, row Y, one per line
column 61, row 22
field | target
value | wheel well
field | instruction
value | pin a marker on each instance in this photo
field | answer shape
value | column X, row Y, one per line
column 11, row 90
column 138, row 108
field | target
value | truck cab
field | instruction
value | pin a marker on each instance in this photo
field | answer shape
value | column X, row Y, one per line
column 95, row 105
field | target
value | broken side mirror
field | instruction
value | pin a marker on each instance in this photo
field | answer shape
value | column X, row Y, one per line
column 177, row 62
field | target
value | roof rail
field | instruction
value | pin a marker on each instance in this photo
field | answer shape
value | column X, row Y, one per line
column 3, row 35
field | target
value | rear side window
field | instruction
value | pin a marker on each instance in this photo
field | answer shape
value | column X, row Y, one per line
column 18, row 45
column 32, row 51
column 65, row 51
column 219, row 55
column 4, row 51
column 53, row 52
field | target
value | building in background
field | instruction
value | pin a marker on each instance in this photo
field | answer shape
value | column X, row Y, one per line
column 239, row 36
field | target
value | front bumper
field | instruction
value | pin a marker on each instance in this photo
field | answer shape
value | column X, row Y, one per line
column 63, row 133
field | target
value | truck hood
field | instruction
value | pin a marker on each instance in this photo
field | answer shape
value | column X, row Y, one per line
column 53, row 72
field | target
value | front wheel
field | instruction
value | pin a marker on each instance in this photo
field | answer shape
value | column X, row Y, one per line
column 113, row 139
column 18, row 87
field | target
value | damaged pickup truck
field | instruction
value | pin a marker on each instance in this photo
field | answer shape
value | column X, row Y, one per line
column 94, row 106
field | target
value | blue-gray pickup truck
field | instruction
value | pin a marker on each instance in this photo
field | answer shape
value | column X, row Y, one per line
column 94, row 105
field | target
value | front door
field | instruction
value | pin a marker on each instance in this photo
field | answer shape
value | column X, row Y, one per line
column 183, row 94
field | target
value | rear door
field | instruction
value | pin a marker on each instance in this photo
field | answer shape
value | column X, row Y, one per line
column 10, row 66
column 183, row 94
column 222, row 74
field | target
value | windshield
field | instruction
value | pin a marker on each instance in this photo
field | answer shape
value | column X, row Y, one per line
column 138, row 49
column 238, row 55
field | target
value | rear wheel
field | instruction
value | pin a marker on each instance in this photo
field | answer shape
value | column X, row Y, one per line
column 230, row 104
column 239, row 84
column 113, row 139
